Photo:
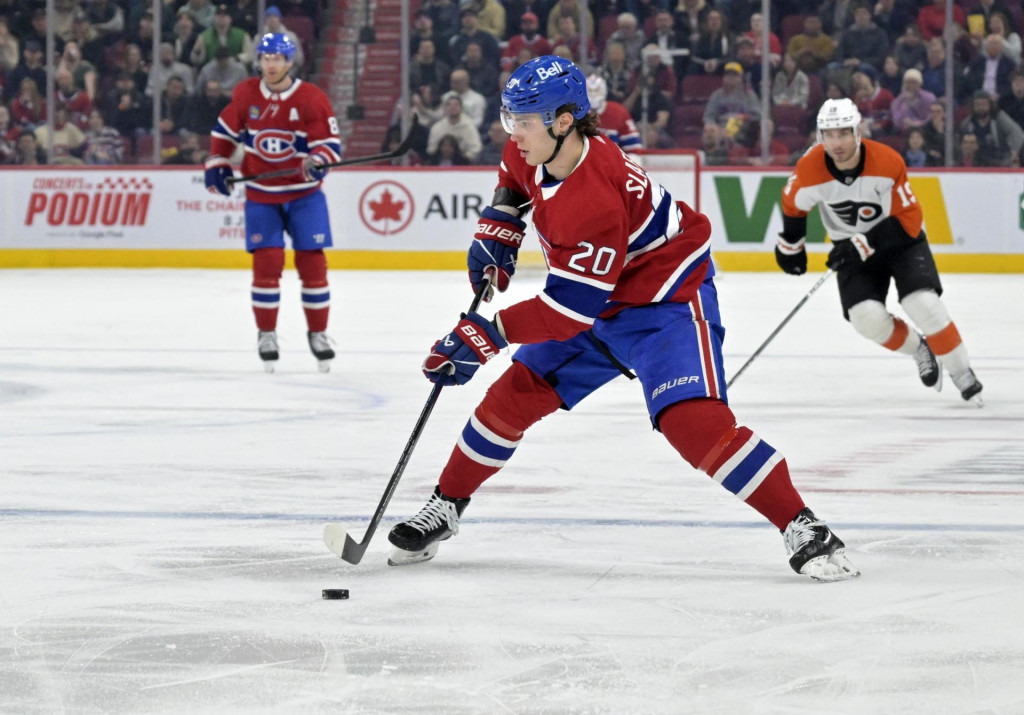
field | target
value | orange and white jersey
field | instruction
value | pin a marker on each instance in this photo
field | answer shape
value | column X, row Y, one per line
column 853, row 204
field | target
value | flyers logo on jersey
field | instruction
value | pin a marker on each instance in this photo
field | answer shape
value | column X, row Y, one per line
column 274, row 145
column 853, row 211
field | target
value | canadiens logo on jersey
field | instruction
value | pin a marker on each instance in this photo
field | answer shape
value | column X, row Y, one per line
column 853, row 211
column 275, row 144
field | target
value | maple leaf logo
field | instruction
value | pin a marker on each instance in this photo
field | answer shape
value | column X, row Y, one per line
column 387, row 208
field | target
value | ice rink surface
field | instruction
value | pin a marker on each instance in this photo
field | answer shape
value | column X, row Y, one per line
column 162, row 503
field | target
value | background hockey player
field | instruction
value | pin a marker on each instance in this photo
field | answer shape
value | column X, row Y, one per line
column 874, row 220
column 629, row 287
column 281, row 123
column 613, row 119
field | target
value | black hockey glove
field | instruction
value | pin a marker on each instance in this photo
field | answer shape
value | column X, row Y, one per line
column 847, row 251
column 791, row 257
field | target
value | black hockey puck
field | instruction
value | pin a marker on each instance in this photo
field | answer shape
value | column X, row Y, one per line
column 335, row 594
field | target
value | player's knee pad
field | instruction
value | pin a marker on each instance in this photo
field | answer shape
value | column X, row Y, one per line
column 871, row 319
column 517, row 400
column 267, row 266
column 312, row 267
column 927, row 311
column 696, row 428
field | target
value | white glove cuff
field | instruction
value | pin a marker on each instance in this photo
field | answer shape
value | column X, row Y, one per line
column 791, row 249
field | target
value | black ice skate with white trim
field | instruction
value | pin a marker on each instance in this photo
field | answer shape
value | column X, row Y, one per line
column 928, row 368
column 266, row 344
column 816, row 551
column 418, row 539
column 320, row 345
column 969, row 386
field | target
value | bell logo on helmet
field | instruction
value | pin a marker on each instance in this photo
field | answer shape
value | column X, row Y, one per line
column 553, row 71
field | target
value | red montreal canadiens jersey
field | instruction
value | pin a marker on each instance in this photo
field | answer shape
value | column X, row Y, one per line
column 612, row 238
column 277, row 131
column 616, row 124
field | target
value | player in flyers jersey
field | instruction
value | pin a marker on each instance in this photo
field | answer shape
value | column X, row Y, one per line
column 281, row 123
column 629, row 289
column 874, row 220
column 613, row 118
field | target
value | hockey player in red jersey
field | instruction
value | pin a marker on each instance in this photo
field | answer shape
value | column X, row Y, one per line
column 613, row 118
column 875, row 223
column 281, row 123
column 629, row 289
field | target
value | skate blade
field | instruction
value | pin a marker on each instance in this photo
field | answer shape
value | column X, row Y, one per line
column 938, row 383
column 828, row 569
column 323, row 365
column 976, row 401
column 401, row 557
column 269, row 365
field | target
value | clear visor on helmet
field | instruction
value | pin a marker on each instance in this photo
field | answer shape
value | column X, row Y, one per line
column 521, row 123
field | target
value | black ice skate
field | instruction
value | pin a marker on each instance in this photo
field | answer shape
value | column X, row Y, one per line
column 928, row 367
column 320, row 344
column 418, row 539
column 816, row 551
column 267, row 346
column 970, row 388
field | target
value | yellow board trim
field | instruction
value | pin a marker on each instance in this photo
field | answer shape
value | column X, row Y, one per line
column 928, row 191
column 426, row 260
column 946, row 262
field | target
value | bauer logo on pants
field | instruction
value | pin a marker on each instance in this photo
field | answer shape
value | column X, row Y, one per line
column 386, row 207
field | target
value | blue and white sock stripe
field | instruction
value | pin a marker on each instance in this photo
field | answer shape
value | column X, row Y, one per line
column 266, row 297
column 744, row 471
column 484, row 446
column 316, row 297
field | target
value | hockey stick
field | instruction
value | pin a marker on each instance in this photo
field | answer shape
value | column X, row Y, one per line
column 400, row 150
column 336, row 537
column 785, row 320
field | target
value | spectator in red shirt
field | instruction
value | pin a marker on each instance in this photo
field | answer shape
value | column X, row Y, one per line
column 530, row 37
column 932, row 18
column 873, row 101
column 75, row 100
column 29, row 108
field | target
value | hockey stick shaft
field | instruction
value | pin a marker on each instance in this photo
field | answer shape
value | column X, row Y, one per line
column 777, row 330
column 398, row 151
column 353, row 551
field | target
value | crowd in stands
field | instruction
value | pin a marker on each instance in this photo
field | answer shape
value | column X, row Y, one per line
column 106, row 78
column 688, row 72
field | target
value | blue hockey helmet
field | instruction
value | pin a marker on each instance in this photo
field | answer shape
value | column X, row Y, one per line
column 276, row 43
column 543, row 85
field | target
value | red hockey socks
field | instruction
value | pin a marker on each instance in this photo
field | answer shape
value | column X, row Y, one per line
column 515, row 401
column 267, row 266
column 316, row 296
column 705, row 433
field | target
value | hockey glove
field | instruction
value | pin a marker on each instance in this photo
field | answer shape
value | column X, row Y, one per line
column 791, row 257
column 474, row 341
column 855, row 249
column 313, row 168
column 217, row 172
column 495, row 249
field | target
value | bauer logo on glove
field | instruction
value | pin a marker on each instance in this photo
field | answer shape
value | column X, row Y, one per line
column 495, row 249
column 456, row 357
column 499, row 232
